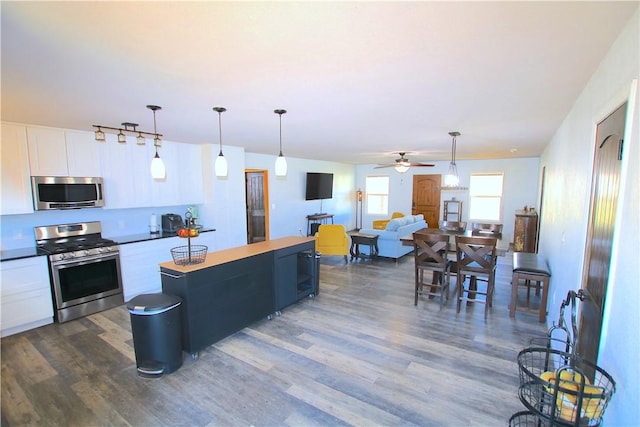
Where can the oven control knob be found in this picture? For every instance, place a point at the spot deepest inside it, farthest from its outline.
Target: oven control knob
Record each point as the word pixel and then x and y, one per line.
pixel 86 252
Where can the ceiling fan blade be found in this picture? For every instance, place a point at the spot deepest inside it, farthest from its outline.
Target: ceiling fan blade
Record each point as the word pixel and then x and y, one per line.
pixel 427 165
pixel 411 165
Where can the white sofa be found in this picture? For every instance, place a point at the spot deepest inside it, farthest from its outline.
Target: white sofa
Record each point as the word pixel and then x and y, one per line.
pixel 389 244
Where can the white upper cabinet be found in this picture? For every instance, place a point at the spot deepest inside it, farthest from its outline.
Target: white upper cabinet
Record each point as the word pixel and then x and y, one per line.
pixel 125 169
pixel 183 183
pixel 15 183
pixel 58 152
pixel 83 154
pixel 47 151
pixel 191 190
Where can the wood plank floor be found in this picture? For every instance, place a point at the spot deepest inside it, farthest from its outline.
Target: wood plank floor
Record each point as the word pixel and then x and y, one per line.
pixel 359 354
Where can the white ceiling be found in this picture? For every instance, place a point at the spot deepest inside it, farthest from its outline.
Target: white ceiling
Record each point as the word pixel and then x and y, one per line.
pixel 360 80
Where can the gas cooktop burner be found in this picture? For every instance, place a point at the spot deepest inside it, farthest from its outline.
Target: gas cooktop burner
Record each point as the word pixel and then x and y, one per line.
pixel 65 245
pixel 80 237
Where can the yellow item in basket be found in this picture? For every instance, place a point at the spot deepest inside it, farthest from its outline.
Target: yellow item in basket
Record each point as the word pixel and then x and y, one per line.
pixel 566 412
pixel 570 375
pixel 593 407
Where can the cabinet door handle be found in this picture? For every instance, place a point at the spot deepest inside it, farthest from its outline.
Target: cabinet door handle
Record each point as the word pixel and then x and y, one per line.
pixel 173 276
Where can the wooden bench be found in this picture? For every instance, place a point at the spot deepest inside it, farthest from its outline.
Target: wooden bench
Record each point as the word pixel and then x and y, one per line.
pixel 529 267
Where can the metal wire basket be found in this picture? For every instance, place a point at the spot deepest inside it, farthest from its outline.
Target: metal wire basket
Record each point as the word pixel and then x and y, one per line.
pixel 562 388
pixel 188 255
pixel 528 419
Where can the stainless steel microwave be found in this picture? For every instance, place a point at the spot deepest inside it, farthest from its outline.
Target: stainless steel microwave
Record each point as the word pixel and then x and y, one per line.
pixel 66 192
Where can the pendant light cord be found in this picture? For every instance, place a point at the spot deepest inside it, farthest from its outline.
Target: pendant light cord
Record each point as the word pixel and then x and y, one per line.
pixel 155 142
pixel 280 133
pixel 220 129
pixel 453 150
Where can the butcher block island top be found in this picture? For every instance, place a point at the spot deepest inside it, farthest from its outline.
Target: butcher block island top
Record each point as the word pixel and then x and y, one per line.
pixel 233 254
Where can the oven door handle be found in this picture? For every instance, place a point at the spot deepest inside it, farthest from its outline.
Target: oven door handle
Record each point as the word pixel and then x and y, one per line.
pixel 85 260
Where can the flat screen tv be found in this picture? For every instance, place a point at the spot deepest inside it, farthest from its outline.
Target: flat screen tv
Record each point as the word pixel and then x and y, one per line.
pixel 319 186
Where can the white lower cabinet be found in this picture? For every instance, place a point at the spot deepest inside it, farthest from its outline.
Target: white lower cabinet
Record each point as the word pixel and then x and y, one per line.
pixel 139 265
pixel 25 294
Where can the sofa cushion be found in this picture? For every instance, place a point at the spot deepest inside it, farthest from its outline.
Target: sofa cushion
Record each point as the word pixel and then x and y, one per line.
pixel 395 223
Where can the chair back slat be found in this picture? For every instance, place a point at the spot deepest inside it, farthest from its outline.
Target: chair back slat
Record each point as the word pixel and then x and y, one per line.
pixel 476 254
pixel 431 249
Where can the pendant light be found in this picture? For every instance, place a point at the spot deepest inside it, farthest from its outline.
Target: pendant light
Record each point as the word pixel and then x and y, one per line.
pixel 452 179
pixel 281 162
pixel 221 163
pixel 158 170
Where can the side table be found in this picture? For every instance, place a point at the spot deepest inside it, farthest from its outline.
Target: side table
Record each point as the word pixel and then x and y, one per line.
pixel 370 240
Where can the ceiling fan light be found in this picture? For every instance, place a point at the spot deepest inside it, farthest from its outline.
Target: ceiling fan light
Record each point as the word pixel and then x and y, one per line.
pixel 401 168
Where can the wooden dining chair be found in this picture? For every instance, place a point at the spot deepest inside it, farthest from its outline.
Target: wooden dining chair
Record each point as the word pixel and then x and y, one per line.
pixel 476 258
pixel 486 230
pixel 452 225
pixel 430 253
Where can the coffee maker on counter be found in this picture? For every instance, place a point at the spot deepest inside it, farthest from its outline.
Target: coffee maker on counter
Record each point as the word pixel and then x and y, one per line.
pixel 192 218
pixel 171 223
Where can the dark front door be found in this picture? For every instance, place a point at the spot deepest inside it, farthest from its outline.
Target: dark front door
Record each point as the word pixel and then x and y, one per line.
pixel 604 199
pixel 426 198
pixel 256 207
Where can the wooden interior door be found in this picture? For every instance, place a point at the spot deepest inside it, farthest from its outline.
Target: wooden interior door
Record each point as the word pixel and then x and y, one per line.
pixel 604 199
pixel 257 204
pixel 426 198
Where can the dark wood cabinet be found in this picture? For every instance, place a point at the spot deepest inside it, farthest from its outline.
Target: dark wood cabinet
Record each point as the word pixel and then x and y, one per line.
pixel 525 232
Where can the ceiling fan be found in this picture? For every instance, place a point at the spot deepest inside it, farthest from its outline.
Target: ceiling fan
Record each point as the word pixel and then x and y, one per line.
pixel 403 164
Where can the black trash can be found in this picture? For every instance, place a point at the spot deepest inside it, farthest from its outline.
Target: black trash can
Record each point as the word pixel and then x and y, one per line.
pixel 156 325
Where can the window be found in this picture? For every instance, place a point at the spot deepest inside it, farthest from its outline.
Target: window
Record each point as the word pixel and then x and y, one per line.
pixel 377 190
pixel 485 191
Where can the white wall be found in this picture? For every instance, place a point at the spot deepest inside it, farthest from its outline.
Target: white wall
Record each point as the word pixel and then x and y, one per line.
pixel 224 205
pixel 287 204
pixel 569 163
pixel 520 187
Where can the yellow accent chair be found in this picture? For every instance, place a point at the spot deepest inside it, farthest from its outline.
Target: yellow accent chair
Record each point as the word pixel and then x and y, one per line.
pixel 331 240
pixel 381 224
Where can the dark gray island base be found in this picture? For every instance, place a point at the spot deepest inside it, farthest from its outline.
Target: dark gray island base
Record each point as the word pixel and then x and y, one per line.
pixel 235 287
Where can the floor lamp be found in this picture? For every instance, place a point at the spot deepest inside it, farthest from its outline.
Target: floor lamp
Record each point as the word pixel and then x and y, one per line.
pixel 359 195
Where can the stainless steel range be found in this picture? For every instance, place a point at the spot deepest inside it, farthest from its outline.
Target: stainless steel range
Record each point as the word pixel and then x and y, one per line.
pixel 84 269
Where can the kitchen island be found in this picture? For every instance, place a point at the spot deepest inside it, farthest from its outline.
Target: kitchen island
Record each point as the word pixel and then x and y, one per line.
pixel 235 287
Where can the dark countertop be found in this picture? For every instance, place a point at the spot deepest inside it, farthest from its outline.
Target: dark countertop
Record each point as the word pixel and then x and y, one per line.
pixel 143 237
pixel 14 254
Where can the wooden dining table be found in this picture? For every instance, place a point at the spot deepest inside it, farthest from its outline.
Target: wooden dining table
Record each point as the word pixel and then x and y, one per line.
pixel 408 239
